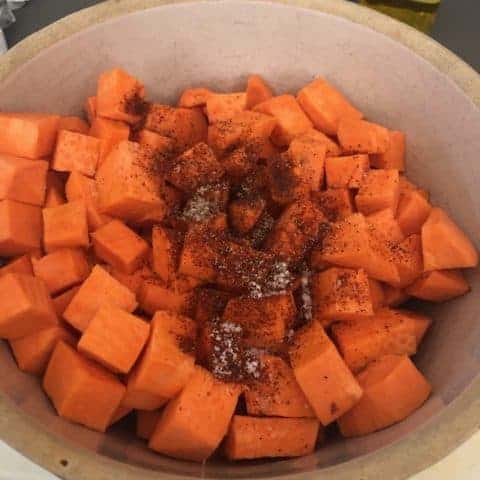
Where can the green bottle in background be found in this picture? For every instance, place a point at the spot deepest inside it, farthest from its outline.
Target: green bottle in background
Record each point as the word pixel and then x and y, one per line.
pixel 417 13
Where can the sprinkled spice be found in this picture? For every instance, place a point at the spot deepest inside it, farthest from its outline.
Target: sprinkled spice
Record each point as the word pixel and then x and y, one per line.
pixel 135 104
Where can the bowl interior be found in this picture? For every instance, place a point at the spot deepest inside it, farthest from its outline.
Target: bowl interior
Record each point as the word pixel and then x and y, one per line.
pixel 216 45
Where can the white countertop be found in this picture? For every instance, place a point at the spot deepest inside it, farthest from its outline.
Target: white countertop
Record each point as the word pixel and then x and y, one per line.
pixel 462 464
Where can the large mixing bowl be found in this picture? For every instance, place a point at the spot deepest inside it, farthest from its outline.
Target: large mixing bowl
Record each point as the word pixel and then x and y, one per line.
pixel 394 74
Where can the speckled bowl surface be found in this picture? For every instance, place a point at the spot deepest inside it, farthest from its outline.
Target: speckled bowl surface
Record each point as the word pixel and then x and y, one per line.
pixel 394 74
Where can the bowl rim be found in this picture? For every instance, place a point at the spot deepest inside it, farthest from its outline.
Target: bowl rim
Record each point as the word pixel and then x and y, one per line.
pixel 425 446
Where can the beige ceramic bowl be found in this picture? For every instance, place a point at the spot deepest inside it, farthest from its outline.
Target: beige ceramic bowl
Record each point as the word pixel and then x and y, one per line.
pixel 394 74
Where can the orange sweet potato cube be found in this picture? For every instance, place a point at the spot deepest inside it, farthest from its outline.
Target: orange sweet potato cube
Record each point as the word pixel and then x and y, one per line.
pixel 114 338
pixel 62 269
pixel 110 133
pixel 413 211
pixel 25 306
pixel 383 224
pixel 325 106
pixel 264 321
pixel 276 393
pixel 326 381
pixel 408 259
pixel 55 189
pixel 73 124
pixel 33 352
pixel 80 390
pixel 166 248
pixel 340 294
pixel 439 286
pixel 61 302
pixel 193 424
pixel 80 187
pixel 253 437
pixel 120 246
pixel 335 203
pixel 360 136
pixel 129 184
pixel 65 226
pixel 196 167
pixel 97 290
pixel 223 106
pixel 244 213
pixel 134 280
pixel 296 230
pixel 185 126
pixel 23 180
pixel 210 304
pixel 346 172
pixel 28 135
pixel 167 363
pixel 21 264
pixel 119 96
pixel 380 189
pixel 257 91
pixel 154 140
pixel 394 157
pixel 76 152
pixel 146 423
pixel 291 120
pixel 194 97
pixel 20 228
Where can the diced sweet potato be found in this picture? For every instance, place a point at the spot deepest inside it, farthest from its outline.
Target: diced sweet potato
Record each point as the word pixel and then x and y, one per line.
pixel 210 304
pixel 129 184
pixel 185 126
pixel 379 190
pixel 110 133
pixel 132 281
pixel 412 212
pixel 350 244
pixel 25 306
pixel 394 296
pixel 296 231
pixel 81 188
pixel 445 245
pixel 407 257
pixel 325 106
pixel 244 213
pixel 377 294
pixel 65 226
pixel 251 437
pixel 257 91
pixel 76 152
pixel 61 302
pixel 276 393
pixel 247 127
pixel 114 338
pixel 33 352
pixel 21 264
pixel 120 246
pixel 166 247
pixel 346 172
pixel 335 203
pixel 383 223
pixel 97 290
pixel 291 120
pixel 193 424
pixel 325 379
pixel 196 167
pixel 396 332
pixel 80 390
pixel 120 96
pixel 62 269
pixel 394 157
pixel 341 294
pixel 167 364
pixel 393 389
pixel 90 108
pixel 158 142
pixel 332 149
pixel 360 136
pixel 20 228
pixel 29 135
pixel 55 189
pixel 73 124
pixel 264 321
pixel 146 422
pixel 223 106
pixel 23 180
pixel 194 97
pixel 439 286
